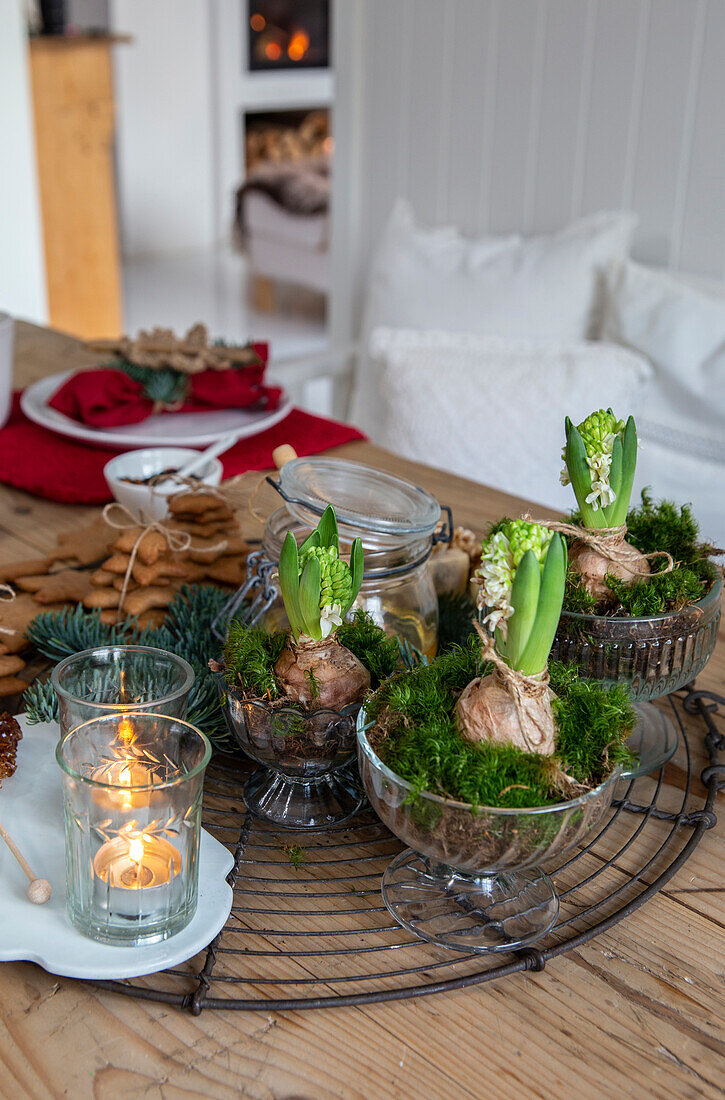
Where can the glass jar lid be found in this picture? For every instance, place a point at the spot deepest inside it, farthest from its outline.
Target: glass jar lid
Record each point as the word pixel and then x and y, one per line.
pixel 364 499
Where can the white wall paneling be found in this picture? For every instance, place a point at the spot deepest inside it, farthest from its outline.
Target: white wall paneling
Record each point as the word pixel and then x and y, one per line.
pixel 518 115
pixel 164 124
pixel 22 270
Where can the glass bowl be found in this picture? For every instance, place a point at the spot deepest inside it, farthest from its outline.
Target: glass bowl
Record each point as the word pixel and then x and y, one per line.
pixel 472 879
pixel 304 782
pixel 651 656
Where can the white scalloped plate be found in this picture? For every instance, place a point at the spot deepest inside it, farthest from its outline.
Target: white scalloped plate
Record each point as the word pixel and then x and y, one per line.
pixel 193 429
pixel 31 809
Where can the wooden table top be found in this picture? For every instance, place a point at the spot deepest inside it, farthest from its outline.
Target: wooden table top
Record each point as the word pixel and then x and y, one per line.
pixel 637 1011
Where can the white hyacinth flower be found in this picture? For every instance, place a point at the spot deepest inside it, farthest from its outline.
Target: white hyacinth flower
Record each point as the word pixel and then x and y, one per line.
pixel 330 619
pixel 495 576
pixel 599 463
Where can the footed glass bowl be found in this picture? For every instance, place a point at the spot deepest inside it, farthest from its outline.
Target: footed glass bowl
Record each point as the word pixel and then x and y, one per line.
pixel 652 657
pixel 472 879
pixel 303 783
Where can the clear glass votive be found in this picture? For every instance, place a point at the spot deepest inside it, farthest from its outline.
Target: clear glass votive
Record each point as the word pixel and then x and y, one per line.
pixel 120 677
pixel 132 788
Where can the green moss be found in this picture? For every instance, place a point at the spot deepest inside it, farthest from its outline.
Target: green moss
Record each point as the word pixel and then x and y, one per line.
pixel 250 655
pixel 593 724
pixel 432 688
pixel 417 738
pixel 663 592
pixel 371 645
pixel 654 526
pixel 576 597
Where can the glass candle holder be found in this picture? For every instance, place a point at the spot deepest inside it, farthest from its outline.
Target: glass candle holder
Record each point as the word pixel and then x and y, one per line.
pixel 132 788
pixel 131 678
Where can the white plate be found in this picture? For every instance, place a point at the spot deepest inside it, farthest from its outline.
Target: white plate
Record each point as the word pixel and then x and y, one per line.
pixel 197 429
pixel 31 809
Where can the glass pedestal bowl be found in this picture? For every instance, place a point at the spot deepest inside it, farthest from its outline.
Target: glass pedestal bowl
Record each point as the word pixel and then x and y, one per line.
pixel 651 656
pixel 305 781
pixel 472 879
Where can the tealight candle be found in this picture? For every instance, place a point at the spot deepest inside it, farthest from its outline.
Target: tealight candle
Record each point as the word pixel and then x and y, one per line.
pixel 132 794
pixel 137 875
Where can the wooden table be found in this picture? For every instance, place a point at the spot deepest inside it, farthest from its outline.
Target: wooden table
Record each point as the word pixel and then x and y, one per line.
pixel 638 1011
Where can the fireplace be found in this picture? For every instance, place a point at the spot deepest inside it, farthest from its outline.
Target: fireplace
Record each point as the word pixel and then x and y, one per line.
pixel 288 34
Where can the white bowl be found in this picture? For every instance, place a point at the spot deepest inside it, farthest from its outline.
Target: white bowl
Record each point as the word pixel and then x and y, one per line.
pixel 143 501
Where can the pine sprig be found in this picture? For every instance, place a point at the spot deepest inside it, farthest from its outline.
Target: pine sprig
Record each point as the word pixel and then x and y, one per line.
pixel 159 384
pixel 41 702
pixel 186 633
pixel 58 634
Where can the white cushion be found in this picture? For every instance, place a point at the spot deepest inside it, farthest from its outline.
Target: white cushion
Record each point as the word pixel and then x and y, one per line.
pixel 678 323
pixel 493 410
pixel 545 287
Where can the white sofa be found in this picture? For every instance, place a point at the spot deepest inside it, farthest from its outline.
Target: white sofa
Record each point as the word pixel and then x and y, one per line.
pixel 474 350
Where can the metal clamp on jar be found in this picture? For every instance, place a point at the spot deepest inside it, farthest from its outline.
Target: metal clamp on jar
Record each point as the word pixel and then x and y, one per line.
pixel 397 523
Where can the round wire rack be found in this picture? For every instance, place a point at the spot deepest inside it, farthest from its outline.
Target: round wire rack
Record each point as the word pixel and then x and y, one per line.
pixel 308 927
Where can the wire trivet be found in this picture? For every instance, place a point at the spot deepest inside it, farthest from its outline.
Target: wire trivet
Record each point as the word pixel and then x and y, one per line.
pixel 308 927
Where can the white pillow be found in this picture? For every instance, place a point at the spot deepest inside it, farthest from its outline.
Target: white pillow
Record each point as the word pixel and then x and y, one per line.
pixel 493 410
pixel 545 288
pixel 678 323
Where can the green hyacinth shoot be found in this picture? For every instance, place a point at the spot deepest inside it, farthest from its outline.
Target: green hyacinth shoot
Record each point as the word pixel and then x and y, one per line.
pixel 522 577
pixel 600 457
pixel 318 587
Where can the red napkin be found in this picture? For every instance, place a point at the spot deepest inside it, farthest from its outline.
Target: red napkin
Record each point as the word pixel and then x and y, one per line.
pixel 106 397
pixel 62 469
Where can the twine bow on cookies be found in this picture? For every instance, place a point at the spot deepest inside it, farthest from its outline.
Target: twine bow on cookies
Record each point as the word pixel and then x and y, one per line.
pixel 178 541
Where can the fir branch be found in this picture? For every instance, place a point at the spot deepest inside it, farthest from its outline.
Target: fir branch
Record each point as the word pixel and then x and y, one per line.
pixel 58 634
pixel 186 633
pixel 159 383
pixel 40 702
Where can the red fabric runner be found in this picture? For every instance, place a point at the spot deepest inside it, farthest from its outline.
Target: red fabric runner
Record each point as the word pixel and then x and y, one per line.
pixel 62 469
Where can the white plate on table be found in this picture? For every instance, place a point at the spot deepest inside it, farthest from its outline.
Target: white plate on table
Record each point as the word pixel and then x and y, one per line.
pixel 31 809
pixel 197 429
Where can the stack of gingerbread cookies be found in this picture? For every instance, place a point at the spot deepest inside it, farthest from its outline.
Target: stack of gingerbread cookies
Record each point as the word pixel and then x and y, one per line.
pixel 147 568
pixel 94 566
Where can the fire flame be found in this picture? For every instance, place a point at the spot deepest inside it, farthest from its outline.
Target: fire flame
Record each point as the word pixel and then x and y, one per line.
pixel 298 45
pixel 135 849
pixel 125 730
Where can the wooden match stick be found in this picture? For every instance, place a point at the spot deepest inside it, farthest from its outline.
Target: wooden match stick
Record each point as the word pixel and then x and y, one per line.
pixel 39 889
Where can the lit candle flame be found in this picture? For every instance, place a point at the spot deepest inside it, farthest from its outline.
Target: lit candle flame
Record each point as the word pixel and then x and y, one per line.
pixel 135 849
pixel 125 730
